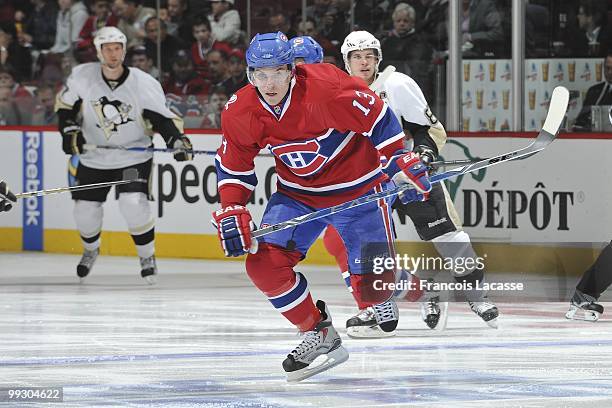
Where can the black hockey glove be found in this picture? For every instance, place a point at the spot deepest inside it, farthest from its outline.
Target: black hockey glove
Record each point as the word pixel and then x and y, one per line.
pixel 185 149
pixel 6 196
pixel 72 139
pixel 426 154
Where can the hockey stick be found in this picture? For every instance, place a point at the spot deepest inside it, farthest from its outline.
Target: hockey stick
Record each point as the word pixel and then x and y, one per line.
pixel 158 150
pixel 556 113
pixel 129 176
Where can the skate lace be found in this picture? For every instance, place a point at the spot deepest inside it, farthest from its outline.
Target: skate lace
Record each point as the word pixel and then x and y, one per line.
pixel 431 307
pixel 481 307
pixel 311 340
pixel 385 312
pixel 88 257
pixel 147 263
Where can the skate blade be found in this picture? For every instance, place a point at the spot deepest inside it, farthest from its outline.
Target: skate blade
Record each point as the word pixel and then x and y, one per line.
pixel 151 280
pixel 575 313
pixel 365 332
pixel 443 316
pixel 82 280
pixel 319 364
pixel 493 323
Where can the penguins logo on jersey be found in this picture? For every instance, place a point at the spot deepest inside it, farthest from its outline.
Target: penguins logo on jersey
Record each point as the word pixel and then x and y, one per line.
pixel 111 114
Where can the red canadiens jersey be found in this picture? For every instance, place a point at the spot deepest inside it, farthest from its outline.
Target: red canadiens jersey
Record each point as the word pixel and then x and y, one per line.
pixel 326 140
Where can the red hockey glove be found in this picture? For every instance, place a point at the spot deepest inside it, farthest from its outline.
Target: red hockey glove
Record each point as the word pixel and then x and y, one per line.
pixel 234 227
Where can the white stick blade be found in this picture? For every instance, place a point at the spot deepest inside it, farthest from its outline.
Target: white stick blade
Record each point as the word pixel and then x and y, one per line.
pixel 556 110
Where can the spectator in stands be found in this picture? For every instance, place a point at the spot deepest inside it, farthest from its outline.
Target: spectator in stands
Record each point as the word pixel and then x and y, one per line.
pixel 40 25
pixel 237 70
pixel 8 80
pixel 317 11
pixel 592 20
pixel 537 30
pixel 102 17
pixel 336 21
pixel 482 29
pixel 178 21
pixel 280 22
pixel 204 42
pixel 407 50
pixel 141 60
pixel 132 18
pixel 217 67
pixel 70 20
pixel 44 113
pixel 224 21
pixel 169 43
pixel 13 55
pixel 184 81
pixel 433 24
pixel 216 101
pixel 9 112
pixel 370 15
pixel 598 94
pixel 308 27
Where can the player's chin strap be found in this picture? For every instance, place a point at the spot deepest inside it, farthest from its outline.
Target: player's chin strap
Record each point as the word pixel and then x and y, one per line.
pixel 378 84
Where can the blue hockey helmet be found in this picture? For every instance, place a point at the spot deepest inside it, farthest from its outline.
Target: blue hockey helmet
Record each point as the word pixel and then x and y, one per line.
pixel 308 48
pixel 269 50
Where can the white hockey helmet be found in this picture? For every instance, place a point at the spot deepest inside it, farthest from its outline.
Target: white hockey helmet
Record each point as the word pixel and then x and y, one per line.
pixel 107 35
pixel 357 41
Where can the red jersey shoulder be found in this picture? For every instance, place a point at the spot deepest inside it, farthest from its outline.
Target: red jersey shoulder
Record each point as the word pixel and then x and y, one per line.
pixel 242 102
pixel 326 82
pixel 320 82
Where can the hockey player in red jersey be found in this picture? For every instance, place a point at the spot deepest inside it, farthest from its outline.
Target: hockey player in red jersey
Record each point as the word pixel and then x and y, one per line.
pixel 327 132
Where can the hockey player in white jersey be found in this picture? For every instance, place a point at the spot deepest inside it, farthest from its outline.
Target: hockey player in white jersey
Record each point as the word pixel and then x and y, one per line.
pixel 6 196
pixel 120 107
pixel 436 219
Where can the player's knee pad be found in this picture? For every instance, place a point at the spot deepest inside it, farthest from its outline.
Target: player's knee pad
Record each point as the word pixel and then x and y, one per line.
pixel 88 216
pixel 271 268
pixel 136 210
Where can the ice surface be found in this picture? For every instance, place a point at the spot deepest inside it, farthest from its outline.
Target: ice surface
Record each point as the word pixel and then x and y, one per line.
pixel 205 337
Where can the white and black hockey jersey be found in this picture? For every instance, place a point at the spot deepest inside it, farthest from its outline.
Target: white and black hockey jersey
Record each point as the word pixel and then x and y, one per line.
pixel 119 113
pixel 406 100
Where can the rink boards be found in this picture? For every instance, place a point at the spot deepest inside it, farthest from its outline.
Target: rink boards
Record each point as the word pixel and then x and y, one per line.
pixel 557 199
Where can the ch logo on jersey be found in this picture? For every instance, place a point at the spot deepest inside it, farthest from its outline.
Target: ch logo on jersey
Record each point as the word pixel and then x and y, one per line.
pixel 111 114
pixel 303 158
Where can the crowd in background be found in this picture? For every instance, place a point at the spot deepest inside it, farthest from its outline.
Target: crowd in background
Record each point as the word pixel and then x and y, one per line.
pixel 202 47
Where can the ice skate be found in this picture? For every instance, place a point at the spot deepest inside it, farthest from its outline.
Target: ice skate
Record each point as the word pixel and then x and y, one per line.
pixel 375 321
pixel 149 269
pixel 86 263
pixel 486 310
pixel 320 350
pixel 434 313
pixel 584 307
